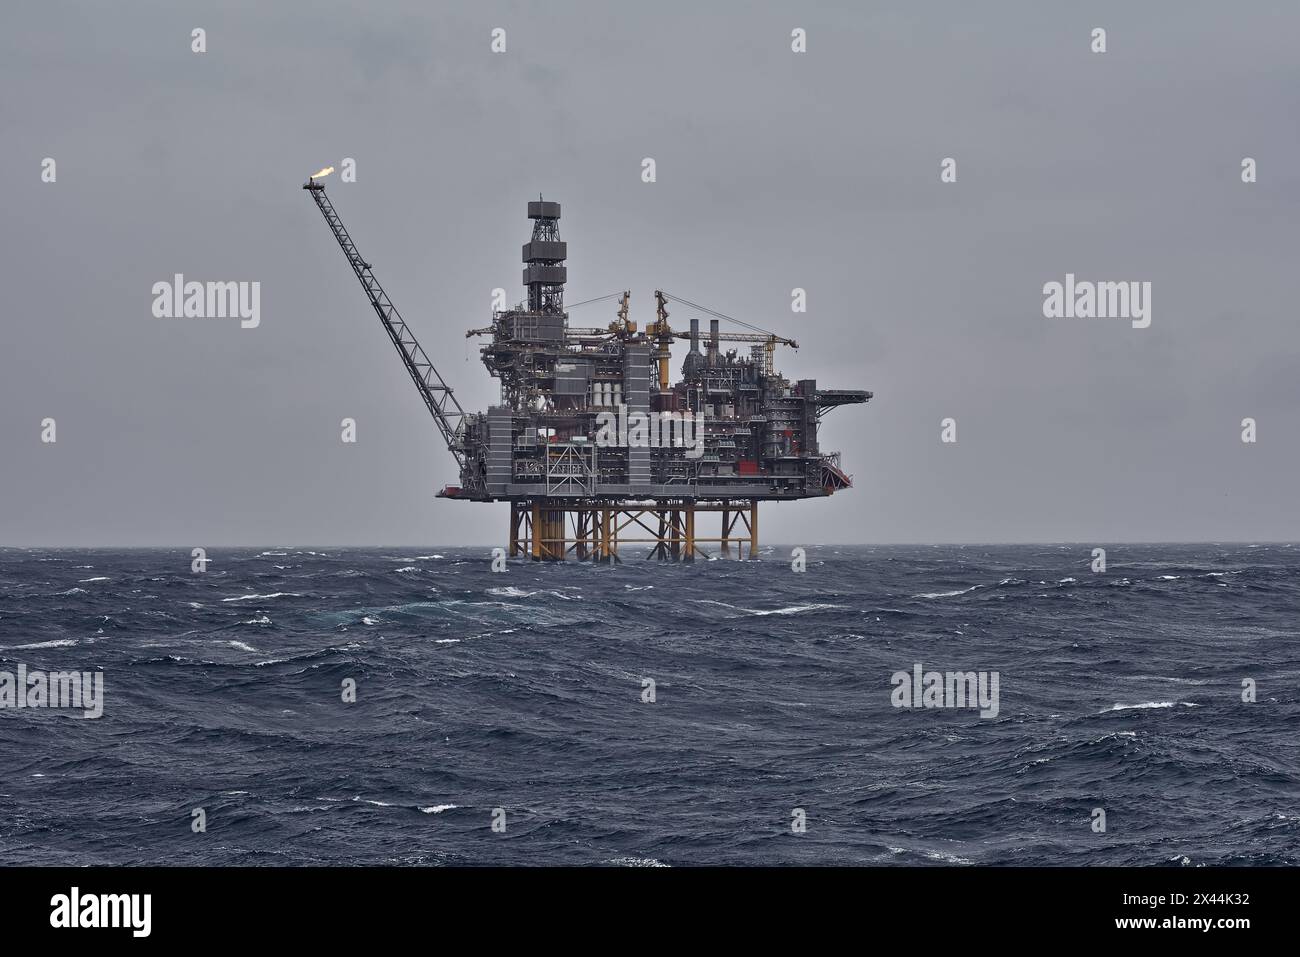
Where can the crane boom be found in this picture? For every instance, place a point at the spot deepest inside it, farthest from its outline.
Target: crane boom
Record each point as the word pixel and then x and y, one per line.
pixel 746 337
pixel 437 395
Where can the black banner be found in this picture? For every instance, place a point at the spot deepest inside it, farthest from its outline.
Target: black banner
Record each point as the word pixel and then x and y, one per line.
pixel 336 906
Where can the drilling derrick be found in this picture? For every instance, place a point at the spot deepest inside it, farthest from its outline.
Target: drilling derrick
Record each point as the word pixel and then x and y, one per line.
pixel 544 255
pixel 592 444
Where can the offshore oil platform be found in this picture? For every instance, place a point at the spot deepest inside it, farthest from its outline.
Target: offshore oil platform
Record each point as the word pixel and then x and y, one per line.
pixel 591 444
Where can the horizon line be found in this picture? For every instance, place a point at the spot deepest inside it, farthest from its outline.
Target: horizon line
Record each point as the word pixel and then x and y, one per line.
pixel 1095 543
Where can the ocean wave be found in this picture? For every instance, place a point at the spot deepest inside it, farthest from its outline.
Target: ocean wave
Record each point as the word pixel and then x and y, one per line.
pixel 762 612
pixel 1147 705
pixel 947 594
pixel 278 594
pixel 946 858
pixel 637 862
pixel 54 643
pixel 792 609
pixel 510 591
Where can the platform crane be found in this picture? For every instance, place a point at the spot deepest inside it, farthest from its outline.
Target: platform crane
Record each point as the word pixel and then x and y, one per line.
pixel 437 395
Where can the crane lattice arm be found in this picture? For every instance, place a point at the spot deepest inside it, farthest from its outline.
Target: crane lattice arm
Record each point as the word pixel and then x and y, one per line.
pixel 437 395
pixel 755 337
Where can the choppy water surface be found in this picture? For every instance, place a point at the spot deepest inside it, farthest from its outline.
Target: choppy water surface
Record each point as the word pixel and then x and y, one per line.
pixel 523 691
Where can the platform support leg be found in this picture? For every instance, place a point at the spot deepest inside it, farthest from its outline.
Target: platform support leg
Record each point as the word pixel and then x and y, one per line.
pixel 536 536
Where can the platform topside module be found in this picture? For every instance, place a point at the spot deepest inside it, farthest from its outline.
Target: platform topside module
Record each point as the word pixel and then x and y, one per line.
pixel 590 429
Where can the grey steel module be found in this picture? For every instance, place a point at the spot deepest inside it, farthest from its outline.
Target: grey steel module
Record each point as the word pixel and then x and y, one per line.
pixel 592 444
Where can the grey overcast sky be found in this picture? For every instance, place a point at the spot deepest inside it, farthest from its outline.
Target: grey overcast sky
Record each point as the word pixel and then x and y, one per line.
pixel 775 170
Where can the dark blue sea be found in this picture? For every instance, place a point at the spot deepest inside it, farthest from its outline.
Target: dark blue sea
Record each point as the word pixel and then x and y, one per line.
pixel 523 691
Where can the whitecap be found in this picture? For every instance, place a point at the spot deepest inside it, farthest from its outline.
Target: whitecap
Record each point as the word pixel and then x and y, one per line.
pixel 439 808
pixel 510 591
pixel 278 594
pixel 793 609
pixel 946 858
pixel 1147 705
pixel 637 862
pixel 946 594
